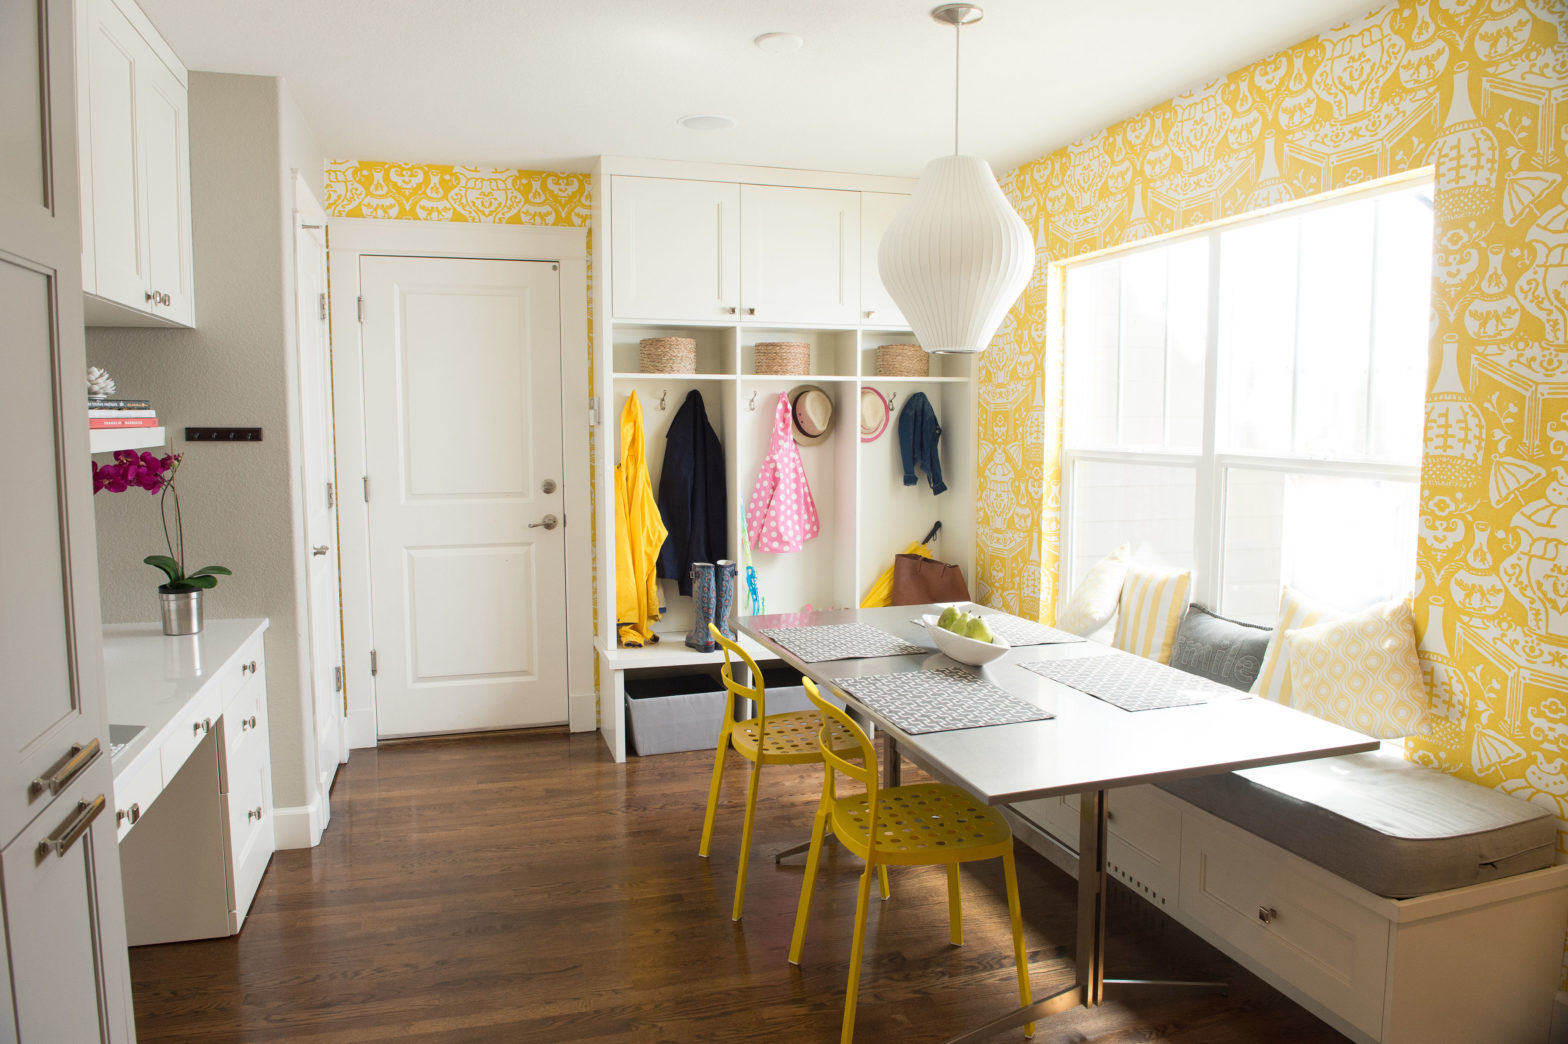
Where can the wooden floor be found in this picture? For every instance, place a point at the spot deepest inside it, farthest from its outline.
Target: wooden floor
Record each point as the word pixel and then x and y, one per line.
pixel 523 887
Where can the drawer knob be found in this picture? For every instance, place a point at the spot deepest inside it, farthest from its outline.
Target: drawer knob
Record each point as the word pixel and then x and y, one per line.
pixel 128 815
pixel 751 311
pixel 248 668
pixel 730 310
pixel 1267 914
pixel 248 723
pixel 254 813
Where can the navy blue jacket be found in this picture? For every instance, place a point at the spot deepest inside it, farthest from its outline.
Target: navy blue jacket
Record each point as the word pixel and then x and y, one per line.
pixel 692 497
pixel 918 433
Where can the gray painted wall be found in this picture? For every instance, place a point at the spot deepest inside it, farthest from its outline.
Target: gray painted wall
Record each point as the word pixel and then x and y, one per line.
pixel 237 368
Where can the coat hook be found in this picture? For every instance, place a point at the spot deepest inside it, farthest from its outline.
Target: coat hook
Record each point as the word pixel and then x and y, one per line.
pixel 752 406
pixel 891 399
pixel 662 394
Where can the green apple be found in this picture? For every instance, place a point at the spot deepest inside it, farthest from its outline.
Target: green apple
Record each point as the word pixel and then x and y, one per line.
pixel 979 630
pixel 949 615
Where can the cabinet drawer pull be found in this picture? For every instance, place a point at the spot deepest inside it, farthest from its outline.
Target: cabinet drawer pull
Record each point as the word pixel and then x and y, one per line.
pixel 248 723
pixel 1267 914
pixel 202 727
pixel 67 833
pixel 66 769
pixel 751 311
pixel 730 310
pixel 247 668
pixel 131 814
pixel 254 813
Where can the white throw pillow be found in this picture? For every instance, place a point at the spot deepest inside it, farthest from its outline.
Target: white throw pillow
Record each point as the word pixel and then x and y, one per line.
pixel 1094 600
pixel 1361 671
pixel 1295 610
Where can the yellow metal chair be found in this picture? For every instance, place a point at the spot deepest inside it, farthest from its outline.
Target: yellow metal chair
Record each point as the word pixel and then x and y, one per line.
pixel 767 739
pixel 922 824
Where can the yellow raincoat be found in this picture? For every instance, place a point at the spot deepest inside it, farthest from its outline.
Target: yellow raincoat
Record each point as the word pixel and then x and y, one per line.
pixel 639 533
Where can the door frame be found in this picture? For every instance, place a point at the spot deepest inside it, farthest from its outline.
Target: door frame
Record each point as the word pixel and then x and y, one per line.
pixel 350 239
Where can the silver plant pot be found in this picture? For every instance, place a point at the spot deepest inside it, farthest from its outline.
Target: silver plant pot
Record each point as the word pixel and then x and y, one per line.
pixel 181 610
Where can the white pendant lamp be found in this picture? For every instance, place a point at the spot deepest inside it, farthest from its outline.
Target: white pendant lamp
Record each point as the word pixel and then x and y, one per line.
pixel 957 256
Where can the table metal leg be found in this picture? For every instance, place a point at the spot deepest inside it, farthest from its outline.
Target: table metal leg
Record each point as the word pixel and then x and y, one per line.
pixel 1092 894
pixel 892 765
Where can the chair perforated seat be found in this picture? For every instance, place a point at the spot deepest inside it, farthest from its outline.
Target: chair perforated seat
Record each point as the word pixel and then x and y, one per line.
pixel 915 824
pixel 789 739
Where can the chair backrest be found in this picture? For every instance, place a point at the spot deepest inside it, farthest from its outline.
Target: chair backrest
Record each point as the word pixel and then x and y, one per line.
pixel 756 691
pixel 865 772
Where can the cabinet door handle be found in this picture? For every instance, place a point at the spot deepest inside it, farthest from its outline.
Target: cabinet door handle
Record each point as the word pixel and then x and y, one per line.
pixel 202 727
pixel 132 814
pixel 730 310
pixel 751 311
pixel 247 668
pixel 248 723
pixel 1267 914
pixel 871 313
pixel 319 550
pixel 254 813
pixel 152 298
pixel 67 833
pixel 66 769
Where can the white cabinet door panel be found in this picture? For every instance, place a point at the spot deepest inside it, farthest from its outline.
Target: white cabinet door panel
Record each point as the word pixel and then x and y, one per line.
pixel 161 140
pixel 114 54
pixel 675 249
pixel 800 256
pixel 877 211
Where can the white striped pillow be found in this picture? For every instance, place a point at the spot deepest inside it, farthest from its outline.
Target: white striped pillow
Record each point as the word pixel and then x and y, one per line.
pixel 1153 601
pixel 1295 610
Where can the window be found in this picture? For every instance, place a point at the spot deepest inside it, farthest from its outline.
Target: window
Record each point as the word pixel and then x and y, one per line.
pixel 1246 402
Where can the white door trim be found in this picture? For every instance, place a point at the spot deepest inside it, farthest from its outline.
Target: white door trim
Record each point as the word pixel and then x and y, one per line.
pixel 349 240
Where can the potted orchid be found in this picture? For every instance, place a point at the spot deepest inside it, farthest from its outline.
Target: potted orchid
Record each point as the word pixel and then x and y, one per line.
pixel 180 597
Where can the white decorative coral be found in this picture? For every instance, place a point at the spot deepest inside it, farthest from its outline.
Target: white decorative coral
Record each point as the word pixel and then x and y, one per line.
pixel 99 384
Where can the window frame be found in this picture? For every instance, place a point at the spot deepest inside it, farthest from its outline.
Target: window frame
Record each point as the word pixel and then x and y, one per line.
pixel 1210 467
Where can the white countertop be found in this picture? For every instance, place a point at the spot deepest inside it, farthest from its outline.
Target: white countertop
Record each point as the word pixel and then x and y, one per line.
pixel 150 677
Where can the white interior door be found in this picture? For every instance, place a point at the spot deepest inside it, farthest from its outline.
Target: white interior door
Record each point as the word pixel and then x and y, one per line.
pixel 464 468
pixel 321 516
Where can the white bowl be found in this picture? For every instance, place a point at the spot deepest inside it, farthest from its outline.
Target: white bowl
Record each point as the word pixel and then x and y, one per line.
pixel 964 650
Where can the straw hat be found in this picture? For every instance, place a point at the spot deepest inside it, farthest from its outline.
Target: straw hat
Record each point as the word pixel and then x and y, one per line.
pixel 873 415
pixel 813 412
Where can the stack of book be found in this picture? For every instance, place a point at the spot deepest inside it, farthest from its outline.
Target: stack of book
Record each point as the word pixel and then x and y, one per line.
pixel 121 413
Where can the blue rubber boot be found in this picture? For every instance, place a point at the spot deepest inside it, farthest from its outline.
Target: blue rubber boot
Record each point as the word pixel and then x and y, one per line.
pixel 725 614
pixel 704 595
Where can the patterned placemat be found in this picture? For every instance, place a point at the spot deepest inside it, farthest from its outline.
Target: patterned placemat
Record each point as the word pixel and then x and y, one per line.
pixel 853 641
pixel 939 700
pixel 1019 631
pixel 1132 682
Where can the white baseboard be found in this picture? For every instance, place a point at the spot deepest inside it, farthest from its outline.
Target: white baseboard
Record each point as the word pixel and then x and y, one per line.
pixel 360 728
pixel 582 712
pixel 1559 1031
pixel 299 826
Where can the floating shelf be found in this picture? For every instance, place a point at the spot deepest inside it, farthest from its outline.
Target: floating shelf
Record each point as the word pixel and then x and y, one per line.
pixel 671 651
pixel 109 440
pixel 669 377
pixel 873 379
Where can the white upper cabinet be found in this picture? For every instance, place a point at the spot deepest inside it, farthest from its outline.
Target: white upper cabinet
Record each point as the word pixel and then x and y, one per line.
pixel 800 256
pixel 133 138
pixel 675 249
pixel 877 211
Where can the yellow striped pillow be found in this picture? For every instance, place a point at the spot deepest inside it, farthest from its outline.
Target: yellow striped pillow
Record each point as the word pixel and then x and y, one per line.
pixel 1153 601
pixel 1295 610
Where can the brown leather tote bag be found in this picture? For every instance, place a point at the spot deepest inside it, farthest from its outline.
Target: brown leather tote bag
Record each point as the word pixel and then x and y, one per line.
pixel 918 580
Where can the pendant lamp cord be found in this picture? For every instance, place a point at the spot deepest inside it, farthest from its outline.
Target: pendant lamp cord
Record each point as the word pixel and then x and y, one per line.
pixel 958 28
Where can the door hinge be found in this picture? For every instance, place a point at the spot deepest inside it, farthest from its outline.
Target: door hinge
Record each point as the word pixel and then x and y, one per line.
pixel 361 309
pixel 337 679
pixel 593 411
pixel 332 496
pixel 323 299
pixel 372 663
pixel 365 486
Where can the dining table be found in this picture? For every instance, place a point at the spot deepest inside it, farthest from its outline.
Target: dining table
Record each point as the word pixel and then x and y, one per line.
pixel 1062 739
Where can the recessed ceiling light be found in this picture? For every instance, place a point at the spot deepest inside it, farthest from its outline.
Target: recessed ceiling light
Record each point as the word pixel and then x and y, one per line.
pixel 706 122
pixel 778 43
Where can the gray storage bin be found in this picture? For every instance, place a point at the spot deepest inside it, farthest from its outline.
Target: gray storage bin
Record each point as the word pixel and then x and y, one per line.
pixel 670 713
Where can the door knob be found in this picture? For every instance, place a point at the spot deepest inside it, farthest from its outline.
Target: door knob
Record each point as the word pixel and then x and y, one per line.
pixel 548 522
pixel 319 549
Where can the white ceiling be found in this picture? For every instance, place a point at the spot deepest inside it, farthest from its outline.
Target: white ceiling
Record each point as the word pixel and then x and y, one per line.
pixel 523 83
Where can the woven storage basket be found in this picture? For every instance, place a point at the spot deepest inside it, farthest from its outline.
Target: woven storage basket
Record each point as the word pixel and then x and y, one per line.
pixel 667 355
pixel 903 360
pixel 783 357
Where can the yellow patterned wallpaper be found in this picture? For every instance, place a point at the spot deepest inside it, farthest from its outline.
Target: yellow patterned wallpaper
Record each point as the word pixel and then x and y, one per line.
pixel 1477 90
pixel 498 195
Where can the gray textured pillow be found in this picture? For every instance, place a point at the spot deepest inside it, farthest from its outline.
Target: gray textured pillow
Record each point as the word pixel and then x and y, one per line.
pixel 1219 649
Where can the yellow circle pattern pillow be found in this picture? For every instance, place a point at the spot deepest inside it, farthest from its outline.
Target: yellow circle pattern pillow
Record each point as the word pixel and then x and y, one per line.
pixel 1360 671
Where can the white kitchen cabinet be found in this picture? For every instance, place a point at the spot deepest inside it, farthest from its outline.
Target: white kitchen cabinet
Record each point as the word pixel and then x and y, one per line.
pixel 800 256
pixel 63 970
pixel 877 211
pixel 135 170
pixel 675 247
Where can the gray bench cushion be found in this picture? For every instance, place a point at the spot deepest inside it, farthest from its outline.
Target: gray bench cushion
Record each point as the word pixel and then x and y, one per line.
pixel 1381 822
pixel 1220 649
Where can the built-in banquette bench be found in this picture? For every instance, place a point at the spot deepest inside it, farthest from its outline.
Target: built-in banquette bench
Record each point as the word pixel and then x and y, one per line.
pixel 1397 903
